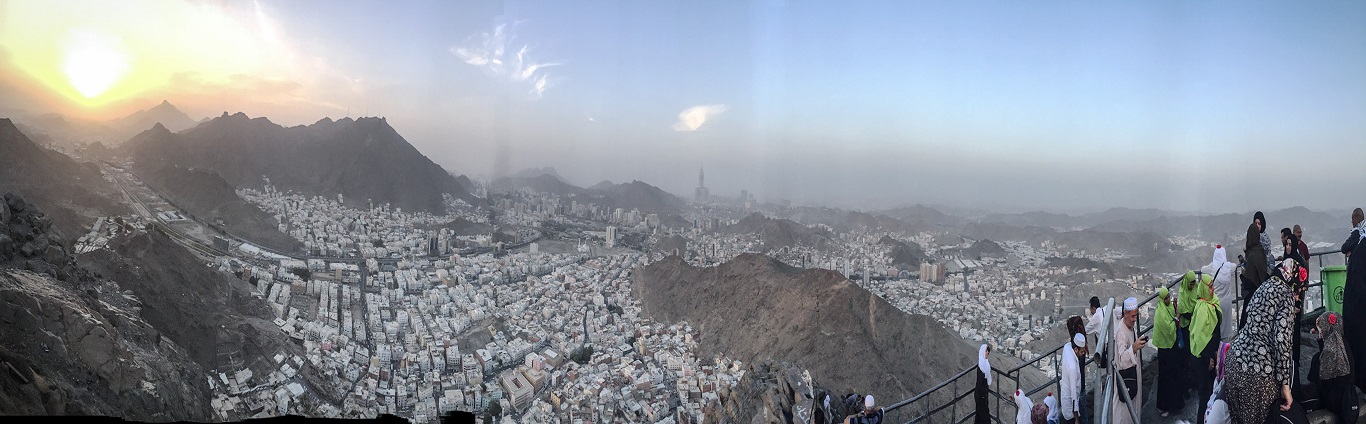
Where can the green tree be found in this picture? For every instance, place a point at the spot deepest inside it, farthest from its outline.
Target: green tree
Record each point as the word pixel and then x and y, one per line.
pixel 581 355
pixel 303 273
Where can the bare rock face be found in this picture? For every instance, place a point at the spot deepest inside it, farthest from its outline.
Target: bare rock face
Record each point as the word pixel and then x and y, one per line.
pixel 760 311
pixel 754 308
pixel 71 343
pixel 777 393
pixel 68 355
pixel 29 241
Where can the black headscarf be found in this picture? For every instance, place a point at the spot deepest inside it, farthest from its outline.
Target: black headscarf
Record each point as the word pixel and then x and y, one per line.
pixel 1294 251
pixel 1260 217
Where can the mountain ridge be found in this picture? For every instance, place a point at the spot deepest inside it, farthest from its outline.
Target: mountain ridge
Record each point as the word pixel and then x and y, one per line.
pixel 755 308
pixel 360 159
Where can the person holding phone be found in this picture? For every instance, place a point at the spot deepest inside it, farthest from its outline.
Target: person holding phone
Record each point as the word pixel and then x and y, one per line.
pixel 1129 363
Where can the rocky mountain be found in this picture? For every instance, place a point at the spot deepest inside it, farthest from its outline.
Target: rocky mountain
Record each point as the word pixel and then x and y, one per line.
pixel 772 392
pixel 128 331
pixel 72 193
pixel 361 159
pixel 868 221
pixel 604 185
pixel 1231 228
pixel 905 254
pixel 211 314
pixel 75 344
pixel 755 308
pixel 213 201
pixel 671 244
pixel 465 183
pixel 544 183
pixel 984 248
pixel 639 195
pixel 76 132
pixel 536 172
pixel 165 114
pixel 925 218
pixel 780 233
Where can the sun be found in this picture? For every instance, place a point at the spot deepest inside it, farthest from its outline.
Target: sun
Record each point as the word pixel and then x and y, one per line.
pixel 94 62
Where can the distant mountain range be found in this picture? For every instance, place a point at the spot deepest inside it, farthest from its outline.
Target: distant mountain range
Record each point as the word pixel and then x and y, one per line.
pixel 780 233
pixel 633 195
pixel 165 114
pixel 361 159
pixel 74 132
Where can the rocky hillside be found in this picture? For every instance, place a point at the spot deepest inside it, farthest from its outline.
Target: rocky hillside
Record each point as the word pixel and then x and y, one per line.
pixel 754 308
pixel 130 331
pixel 780 233
pixel 361 159
pixel 867 221
pixel 207 312
pixel 639 195
pixel 905 254
pixel 984 248
pixel 76 344
pixel 73 194
pixel 213 201
pixel 772 393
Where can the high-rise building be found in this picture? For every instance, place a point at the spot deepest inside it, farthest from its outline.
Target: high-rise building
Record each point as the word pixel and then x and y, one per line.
pixel 702 193
pixel 931 272
pixel 611 236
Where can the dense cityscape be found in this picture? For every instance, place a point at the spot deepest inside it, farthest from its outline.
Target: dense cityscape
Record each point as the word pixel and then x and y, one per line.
pixel 399 314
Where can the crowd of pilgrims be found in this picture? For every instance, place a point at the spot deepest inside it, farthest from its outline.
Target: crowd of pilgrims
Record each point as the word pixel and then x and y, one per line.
pixel 1243 376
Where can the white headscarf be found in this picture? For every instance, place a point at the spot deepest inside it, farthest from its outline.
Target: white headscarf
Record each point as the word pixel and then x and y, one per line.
pixel 1052 404
pixel 982 363
pixel 1360 229
pixel 1025 405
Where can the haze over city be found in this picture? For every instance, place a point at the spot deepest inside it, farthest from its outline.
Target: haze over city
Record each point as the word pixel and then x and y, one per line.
pixel 1009 106
pixel 682 212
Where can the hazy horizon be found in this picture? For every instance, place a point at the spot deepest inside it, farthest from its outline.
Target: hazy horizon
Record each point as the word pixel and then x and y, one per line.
pixel 996 106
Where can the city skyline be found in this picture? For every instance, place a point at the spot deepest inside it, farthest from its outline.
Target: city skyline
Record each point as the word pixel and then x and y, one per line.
pixel 994 106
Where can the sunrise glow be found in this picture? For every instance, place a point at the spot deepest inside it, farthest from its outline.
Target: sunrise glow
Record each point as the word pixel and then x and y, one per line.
pixel 94 62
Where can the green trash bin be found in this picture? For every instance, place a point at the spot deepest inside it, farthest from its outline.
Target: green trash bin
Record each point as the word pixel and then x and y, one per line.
pixel 1334 279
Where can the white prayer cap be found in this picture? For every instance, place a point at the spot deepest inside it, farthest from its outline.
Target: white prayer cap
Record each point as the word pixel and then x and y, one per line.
pixel 1131 304
pixel 1079 340
pixel 868 401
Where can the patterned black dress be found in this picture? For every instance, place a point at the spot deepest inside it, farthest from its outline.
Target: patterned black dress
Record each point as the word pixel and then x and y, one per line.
pixel 1259 361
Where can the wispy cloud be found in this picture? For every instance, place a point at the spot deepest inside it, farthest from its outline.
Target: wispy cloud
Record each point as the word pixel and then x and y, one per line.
pixel 490 51
pixel 691 119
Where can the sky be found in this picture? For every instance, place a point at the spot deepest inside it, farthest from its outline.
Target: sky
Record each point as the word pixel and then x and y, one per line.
pixel 1008 106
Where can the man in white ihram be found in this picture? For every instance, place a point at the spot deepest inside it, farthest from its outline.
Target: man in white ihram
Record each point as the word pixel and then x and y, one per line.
pixel 1128 354
pixel 1071 378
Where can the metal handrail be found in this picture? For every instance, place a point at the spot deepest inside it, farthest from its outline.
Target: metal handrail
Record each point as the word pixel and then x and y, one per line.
pixel 925 393
pixel 1113 374
pixel 1013 374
